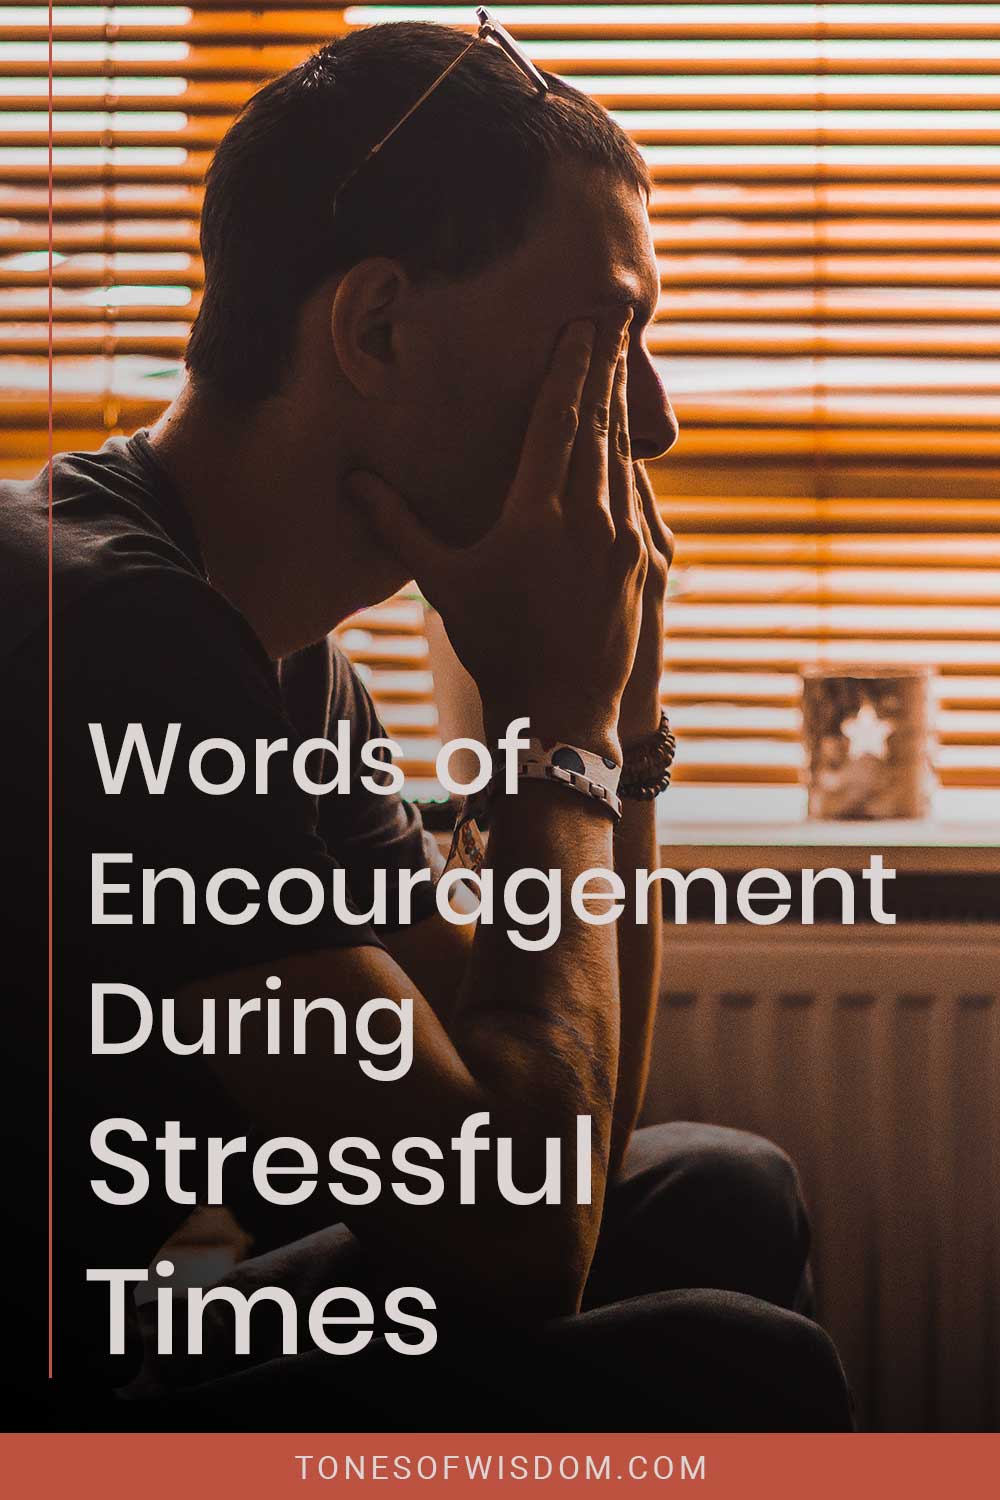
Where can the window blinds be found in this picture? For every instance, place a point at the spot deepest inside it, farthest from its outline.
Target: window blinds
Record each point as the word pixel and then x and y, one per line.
pixel 827 221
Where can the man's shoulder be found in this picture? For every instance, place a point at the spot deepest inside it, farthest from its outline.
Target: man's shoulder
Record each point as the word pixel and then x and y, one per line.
pixel 105 520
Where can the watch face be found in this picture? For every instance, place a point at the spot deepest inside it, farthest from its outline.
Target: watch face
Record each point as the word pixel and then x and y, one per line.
pixel 569 759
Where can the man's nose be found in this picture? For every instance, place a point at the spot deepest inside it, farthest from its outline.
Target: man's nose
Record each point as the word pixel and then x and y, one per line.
pixel 652 423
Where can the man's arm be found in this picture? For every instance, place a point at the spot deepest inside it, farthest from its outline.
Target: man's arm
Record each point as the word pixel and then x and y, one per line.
pixel 636 845
pixel 534 1036
pixel 534 1044
pixel 639 953
pixel 436 952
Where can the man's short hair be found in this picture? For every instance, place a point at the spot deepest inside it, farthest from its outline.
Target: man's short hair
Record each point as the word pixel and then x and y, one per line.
pixel 457 187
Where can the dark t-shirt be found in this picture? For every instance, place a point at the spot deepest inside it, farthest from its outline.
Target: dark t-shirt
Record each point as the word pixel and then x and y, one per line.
pixel 141 636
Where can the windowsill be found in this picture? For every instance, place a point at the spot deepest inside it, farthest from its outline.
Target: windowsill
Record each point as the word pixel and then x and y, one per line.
pixel 708 825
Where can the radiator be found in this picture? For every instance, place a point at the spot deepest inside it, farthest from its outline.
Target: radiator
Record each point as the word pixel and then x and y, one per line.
pixel 872 1055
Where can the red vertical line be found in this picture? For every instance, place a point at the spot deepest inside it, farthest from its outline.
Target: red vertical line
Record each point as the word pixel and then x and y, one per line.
pixel 51 450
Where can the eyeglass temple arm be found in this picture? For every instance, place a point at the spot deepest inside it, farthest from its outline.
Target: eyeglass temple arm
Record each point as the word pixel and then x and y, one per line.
pixel 417 103
pixel 490 28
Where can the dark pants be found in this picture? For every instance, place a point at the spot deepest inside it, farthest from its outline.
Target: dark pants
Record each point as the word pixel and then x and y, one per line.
pixel 693 1321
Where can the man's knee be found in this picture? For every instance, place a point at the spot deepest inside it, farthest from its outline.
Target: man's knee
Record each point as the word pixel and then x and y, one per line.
pixel 820 1398
pixel 737 1159
pixel 703 1360
pixel 718 1160
pixel 785 1373
pixel 704 1205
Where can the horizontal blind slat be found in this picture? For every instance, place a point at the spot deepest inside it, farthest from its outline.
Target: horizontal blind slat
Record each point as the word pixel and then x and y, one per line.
pixel 826 212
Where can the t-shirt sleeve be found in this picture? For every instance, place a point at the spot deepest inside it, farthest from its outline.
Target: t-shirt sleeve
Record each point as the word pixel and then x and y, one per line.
pixel 369 830
pixel 166 649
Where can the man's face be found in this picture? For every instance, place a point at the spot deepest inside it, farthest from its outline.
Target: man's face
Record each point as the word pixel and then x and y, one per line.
pixel 480 348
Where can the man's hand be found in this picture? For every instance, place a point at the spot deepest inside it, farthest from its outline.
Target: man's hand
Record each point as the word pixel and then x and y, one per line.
pixel 640 706
pixel 544 611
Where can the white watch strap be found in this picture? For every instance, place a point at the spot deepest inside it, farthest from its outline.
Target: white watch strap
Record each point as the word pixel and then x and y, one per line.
pixel 601 769
pixel 592 775
pixel 600 791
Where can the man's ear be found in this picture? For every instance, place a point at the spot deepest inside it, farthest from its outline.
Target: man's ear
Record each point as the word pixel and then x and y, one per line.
pixel 364 323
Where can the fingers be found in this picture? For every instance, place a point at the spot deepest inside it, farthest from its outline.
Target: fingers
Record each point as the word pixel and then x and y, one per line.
pixel 547 449
pixel 660 534
pixel 589 468
pixel 391 518
pixel 621 486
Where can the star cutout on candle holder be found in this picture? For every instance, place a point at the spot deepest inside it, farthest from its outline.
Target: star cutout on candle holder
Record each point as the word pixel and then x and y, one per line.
pixel 866 733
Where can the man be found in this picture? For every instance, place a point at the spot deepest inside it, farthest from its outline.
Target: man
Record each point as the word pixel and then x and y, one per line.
pixel 424 360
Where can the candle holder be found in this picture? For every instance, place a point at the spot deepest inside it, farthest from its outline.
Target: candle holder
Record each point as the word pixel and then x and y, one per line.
pixel 867 735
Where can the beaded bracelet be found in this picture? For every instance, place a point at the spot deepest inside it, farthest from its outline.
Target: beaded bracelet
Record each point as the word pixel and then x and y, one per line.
pixel 647 768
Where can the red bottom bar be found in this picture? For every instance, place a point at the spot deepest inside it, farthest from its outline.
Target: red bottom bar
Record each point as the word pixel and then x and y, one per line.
pixel 217 1466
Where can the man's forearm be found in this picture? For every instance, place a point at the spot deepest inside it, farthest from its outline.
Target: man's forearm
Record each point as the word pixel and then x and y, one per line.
pixel 539 1029
pixel 636 846
pixel 639 954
